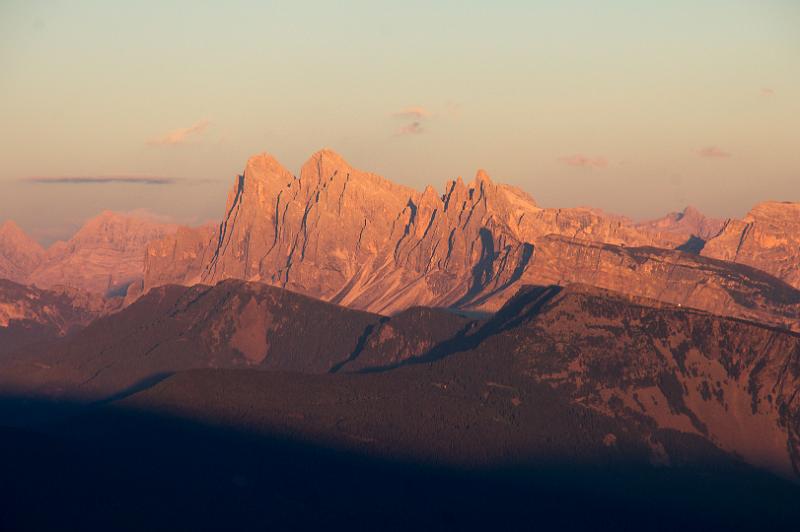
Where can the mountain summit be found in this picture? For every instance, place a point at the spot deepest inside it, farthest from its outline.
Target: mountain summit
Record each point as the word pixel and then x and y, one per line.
pixel 354 238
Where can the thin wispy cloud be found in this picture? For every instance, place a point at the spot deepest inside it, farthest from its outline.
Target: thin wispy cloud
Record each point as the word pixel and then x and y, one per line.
pixel 181 136
pixel 101 180
pixel 767 91
pixel 414 117
pixel 584 161
pixel 713 152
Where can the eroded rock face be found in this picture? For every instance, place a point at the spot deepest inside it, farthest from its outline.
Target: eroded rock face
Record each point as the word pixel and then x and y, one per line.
pixel 19 254
pixel 732 382
pixel 356 239
pixel 685 279
pixel 768 238
pixel 29 314
pixel 104 256
pixel 179 255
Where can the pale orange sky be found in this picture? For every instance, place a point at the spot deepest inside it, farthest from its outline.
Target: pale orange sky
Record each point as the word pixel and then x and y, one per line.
pixel 638 108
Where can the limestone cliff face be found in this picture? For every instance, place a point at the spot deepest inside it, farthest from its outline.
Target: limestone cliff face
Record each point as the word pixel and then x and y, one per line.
pixel 19 254
pixel 179 255
pixel 312 234
pixel 597 226
pixel 730 381
pixel 768 238
pixel 354 238
pixel 104 256
pixel 670 276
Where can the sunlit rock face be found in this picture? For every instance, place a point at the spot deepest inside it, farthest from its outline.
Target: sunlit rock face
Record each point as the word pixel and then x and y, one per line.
pixel 19 254
pixel 104 256
pixel 720 287
pixel 354 238
pixel 768 238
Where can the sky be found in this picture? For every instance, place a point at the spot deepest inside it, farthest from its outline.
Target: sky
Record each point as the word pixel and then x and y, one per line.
pixel 637 107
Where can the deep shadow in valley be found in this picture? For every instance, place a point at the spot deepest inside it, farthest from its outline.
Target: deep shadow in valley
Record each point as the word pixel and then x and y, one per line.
pixel 112 467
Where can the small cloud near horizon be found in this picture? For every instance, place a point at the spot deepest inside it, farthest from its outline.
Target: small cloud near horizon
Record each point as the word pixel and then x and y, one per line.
pixel 414 117
pixel 767 91
pixel 713 152
pixel 181 136
pixel 101 180
pixel 584 161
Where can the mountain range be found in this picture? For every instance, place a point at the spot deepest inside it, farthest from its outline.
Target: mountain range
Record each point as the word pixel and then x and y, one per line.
pixel 339 348
pixel 354 238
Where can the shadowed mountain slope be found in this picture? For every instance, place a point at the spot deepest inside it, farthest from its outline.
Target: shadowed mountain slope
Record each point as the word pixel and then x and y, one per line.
pixel 304 452
pixel 730 381
pixel 30 315
pixel 233 324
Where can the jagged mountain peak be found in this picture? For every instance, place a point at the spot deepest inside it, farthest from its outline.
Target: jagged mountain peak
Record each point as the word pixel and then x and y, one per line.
pixel 10 233
pixel 690 211
pixel 352 237
pixel 10 226
pixel 263 165
pixel 19 253
pixel 325 165
pixel 481 177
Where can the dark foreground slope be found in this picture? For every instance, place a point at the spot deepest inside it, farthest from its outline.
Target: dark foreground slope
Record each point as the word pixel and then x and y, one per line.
pixel 571 408
pixel 235 324
pixel 730 381
pixel 30 315
pixel 461 444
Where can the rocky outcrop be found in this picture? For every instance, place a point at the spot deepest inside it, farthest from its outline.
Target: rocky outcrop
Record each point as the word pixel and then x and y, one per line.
pixel 685 279
pixel 768 238
pixel 19 254
pixel 179 255
pixel 104 256
pixel 354 238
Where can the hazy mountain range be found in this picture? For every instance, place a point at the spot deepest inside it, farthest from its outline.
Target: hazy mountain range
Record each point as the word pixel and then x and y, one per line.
pixel 419 338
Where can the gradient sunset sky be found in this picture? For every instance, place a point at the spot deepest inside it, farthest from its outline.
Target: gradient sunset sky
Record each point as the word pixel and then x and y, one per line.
pixel 637 107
